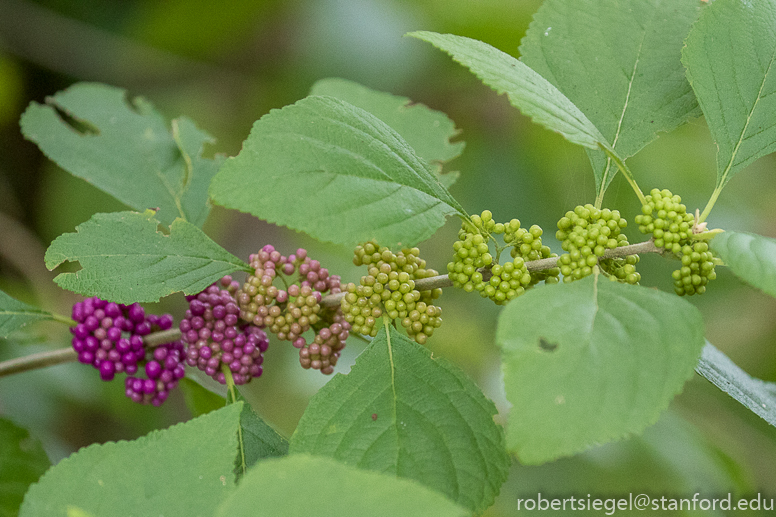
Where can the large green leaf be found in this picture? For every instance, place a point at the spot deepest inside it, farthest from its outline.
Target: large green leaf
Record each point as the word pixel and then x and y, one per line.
pixel 300 485
pixel 336 172
pixel 402 411
pixel 125 259
pixel 592 361
pixel 756 395
pixel 185 470
pixel 619 63
pixel 15 314
pixel 125 149
pixel 427 131
pixel 729 55
pixel 527 90
pixel 750 256
pixel 22 462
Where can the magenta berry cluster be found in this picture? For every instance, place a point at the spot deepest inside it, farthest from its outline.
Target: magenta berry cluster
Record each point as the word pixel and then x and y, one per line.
pixel 109 336
pixel 163 371
pixel 214 335
pixel 295 308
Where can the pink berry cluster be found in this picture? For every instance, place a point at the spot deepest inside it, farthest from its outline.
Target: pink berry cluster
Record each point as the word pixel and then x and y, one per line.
pixel 295 308
pixel 109 336
pixel 214 335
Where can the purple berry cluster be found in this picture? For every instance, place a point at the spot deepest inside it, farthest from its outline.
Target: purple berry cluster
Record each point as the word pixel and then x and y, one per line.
pixel 214 336
pixel 164 370
pixel 290 312
pixel 109 336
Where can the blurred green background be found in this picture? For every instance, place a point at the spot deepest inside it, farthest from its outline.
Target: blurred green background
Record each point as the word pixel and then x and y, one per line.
pixel 225 65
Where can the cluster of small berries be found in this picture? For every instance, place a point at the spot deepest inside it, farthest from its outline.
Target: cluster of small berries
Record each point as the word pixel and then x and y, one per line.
pixel 666 218
pixel 215 336
pixel 696 271
pixel 672 228
pixel 164 369
pixel 292 311
pixel 472 256
pixel 585 234
pixel 389 289
pixel 109 336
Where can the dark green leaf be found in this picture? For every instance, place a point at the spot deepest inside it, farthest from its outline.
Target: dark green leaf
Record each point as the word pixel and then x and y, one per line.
pixel 620 64
pixel 336 172
pixel 125 149
pixel 527 90
pixel 199 399
pixel 185 470
pixel 125 259
pixel 756 395
pixel 300 485
pixel 402 411
pixel 15 314
pixel 258 440
pixel 427 131
pixel 592 361
pixel 729 55
pixel 750 256
pixel 22 462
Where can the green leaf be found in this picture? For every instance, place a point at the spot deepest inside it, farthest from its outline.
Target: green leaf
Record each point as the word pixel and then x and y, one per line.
pixel 620 64
pixel 729 55
pixel 125 259
pixel 597 357
pixel 528 91
pixel 756 395
pixel 199 399
pixel 125 149
pixel 402 411
pixel 750 256
pixel 184 470
pixel 15 314
pixel 304 485
pixel 258 440
pixel 22 462
pixel 336 172
pixel 427 131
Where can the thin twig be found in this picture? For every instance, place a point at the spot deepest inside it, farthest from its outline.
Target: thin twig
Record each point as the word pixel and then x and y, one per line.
pixel 39 360
pixel 65 355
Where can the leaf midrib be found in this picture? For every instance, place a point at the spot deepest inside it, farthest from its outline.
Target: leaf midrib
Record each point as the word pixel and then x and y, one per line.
pixel 324 145
pixel 737 147
pixel 617 133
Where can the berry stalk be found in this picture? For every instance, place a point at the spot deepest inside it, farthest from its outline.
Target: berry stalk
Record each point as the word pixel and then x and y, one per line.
pixel 625 172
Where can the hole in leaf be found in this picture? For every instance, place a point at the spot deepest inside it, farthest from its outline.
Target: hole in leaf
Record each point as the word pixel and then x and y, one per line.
pixel 81 127
pixel 546 345
pixel 68 266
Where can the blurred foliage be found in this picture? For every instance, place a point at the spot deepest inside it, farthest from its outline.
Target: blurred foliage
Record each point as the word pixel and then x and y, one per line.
pixel 224 66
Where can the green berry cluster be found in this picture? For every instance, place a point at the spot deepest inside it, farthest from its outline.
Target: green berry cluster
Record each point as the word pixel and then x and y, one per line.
pixel 527 244
pixel 507 282
pixel 666 218
pixel 672 228
pixel 585 234
pixel 504 282
pixel 696 271
pixel 389 289
pixel 471 254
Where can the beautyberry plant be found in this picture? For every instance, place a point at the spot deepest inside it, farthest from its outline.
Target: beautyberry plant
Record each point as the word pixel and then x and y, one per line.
pixel 587 360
